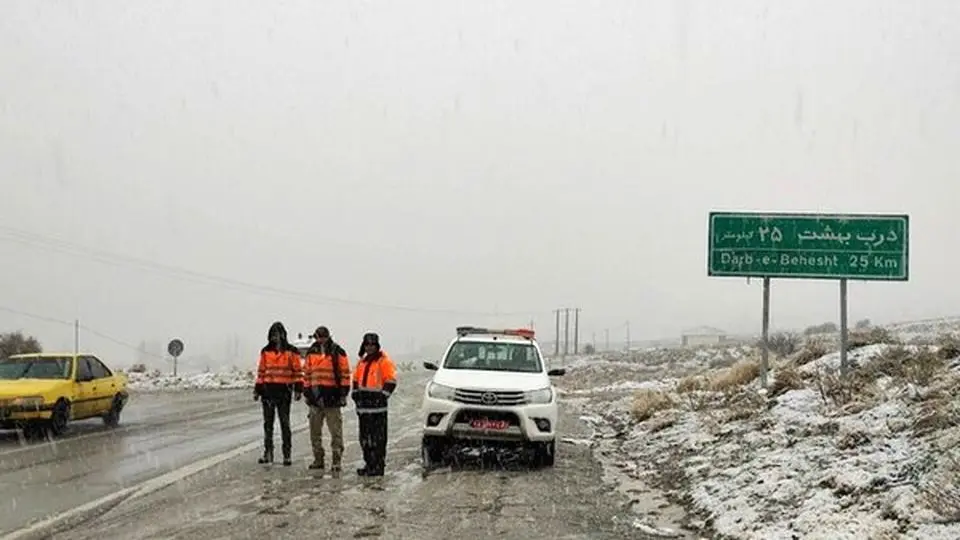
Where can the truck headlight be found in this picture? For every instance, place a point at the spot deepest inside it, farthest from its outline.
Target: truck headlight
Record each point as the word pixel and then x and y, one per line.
pixel 543 395
pixel 440 391
pixel 29 402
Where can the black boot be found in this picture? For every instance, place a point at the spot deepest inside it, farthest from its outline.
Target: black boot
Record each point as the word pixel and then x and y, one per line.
pixel 286 458
pixel 267 457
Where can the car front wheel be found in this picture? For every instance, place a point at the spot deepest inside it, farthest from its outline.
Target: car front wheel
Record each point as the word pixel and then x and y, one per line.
pixel 59 418
pixel 544 454
pixel 432 451
pixel 112 418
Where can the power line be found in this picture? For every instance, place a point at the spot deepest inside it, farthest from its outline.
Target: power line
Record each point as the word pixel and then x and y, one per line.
pixel 82 327
pixel 116 259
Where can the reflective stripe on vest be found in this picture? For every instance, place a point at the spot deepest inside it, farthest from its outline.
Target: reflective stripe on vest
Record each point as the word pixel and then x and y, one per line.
pixel 320 371
pixel 279 368
pixel 373 411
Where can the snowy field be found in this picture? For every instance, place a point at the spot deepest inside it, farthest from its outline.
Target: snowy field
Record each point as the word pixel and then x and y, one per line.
pixel 872 455
pixel 229 379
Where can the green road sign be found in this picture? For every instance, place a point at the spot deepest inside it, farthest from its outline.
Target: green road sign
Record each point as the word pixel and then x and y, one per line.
pixel 816 246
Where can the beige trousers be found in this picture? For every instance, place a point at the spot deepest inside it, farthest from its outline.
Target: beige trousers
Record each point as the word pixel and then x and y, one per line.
pixel 333 417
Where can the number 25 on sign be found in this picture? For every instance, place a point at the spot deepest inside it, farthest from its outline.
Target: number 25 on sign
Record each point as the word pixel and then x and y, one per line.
pixel 872 247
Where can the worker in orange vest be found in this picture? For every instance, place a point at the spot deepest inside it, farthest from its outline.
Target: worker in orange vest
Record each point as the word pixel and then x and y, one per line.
pixel 279 374
pixel 374 380
pixel 326 385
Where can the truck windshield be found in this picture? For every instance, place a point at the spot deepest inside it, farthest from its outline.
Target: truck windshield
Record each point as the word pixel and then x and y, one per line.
pixel 514 357
pixel 35 368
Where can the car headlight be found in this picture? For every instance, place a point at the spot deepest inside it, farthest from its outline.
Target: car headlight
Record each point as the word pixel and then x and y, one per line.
pixel 440 391
pixel 30 402
pixel 543 395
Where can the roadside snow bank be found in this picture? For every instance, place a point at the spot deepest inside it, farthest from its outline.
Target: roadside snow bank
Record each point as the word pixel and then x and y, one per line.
pixel 222 380
pixel 873 454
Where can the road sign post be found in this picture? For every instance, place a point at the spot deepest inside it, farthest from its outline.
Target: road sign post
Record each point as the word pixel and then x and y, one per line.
pixel 867 247
pixel 175 348
pixel 765 324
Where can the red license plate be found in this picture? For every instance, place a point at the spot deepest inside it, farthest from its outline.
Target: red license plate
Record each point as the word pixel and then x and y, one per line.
pixel 489 424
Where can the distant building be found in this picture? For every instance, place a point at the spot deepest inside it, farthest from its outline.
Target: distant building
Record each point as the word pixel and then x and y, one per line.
pixel 702 335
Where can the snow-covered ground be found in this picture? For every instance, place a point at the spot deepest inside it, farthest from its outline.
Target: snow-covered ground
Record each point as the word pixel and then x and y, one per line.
pixel 873 454
pixel 228 379
pixel 220 380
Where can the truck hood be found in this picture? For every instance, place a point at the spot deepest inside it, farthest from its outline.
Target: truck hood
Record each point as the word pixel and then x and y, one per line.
pixel 28 387
pixel 478 379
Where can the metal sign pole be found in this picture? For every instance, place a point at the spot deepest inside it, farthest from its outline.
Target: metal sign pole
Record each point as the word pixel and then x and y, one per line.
pixel 765 353
pixel 844 336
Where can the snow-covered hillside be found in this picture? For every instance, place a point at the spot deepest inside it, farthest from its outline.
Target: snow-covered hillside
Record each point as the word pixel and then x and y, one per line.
pixel 873 454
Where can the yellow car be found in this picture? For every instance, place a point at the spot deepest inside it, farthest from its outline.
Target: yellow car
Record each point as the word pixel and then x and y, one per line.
pixel 50 390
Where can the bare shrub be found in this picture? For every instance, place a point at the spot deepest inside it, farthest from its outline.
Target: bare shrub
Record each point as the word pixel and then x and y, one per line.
pixel 949 346
pixel 742 405
pixel 138 368
pixel 847 392
pixel 738 375
pixel 936 414
pixel 873 336
pixel 785 379
pixel 694 383
pixel 942 494
pixel 920 366
pixel 648 402
pixel 812 350
pixel 782 343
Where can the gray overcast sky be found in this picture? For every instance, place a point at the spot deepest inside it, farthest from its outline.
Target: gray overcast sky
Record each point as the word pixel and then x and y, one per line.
pixel 480 156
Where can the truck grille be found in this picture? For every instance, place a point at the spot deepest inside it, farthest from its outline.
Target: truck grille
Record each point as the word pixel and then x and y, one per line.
pixel 490 398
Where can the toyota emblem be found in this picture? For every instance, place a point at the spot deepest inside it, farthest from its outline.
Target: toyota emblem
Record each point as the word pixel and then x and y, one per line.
pixel 488 398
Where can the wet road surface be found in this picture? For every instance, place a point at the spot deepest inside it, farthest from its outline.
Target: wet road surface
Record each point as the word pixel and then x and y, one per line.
pixel 240 499
pixel 158 433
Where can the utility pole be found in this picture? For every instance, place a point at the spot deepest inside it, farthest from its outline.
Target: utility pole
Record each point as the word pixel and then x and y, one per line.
pixel 576 331
pixel 566 331
pixel 556 345
pixel 628 336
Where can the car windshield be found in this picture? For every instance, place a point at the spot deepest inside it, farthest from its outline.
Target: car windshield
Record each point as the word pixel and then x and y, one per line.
pixel 35 368
pixel 503 356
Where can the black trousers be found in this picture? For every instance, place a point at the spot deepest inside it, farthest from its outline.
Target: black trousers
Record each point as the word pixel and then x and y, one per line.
pixel 373 441
pixel 274 407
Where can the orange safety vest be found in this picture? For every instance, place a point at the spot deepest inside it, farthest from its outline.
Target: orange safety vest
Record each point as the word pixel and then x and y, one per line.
pixel 372 375
pixel 318 371
pixel 283 367
pixel 369 381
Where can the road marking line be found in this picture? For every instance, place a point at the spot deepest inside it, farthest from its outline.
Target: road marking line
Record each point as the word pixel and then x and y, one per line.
pixel 140 490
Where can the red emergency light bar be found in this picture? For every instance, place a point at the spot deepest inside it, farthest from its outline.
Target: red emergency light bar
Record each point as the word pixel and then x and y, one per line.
pixel 520 332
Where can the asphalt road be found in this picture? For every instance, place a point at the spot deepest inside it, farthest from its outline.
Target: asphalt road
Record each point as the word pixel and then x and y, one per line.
pixel 158 433
pixel 237 498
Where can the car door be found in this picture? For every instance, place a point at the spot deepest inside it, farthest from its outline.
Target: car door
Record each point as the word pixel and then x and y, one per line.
pixel 84 395
pixel 104 387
